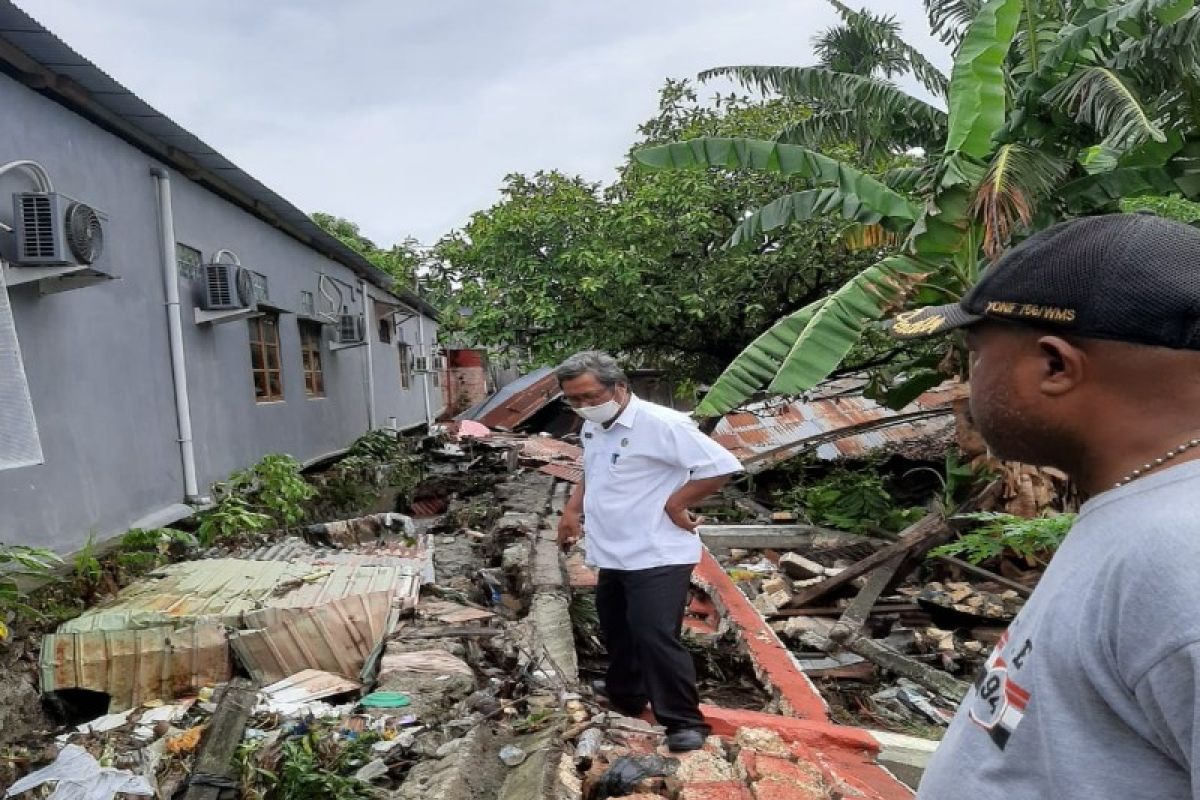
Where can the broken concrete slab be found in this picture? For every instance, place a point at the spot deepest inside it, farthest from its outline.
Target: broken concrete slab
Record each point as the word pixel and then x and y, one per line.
pixel 550 615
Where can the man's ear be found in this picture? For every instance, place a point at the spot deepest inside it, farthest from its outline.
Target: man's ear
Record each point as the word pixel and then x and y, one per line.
pixel 1063 365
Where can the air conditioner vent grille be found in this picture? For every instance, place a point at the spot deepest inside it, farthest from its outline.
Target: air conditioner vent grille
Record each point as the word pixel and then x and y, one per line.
pixel 37 227
pixel 220 290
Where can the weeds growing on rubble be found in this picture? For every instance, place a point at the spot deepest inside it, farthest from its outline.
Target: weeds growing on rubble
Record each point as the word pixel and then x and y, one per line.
pixel 1034 540
pixel 310 767
pixel 856 501
pixel 18 562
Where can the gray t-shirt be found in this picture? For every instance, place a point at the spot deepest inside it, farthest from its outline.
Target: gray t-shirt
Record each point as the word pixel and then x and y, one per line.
pixel 1092 693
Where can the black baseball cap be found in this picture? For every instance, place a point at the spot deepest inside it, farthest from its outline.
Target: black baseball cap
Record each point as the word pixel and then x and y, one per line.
pixel 1126 277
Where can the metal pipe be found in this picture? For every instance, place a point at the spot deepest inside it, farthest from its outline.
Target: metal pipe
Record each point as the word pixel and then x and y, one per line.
pixel 368 323
pixel 428 362
pixel 33 170
pixel 183 410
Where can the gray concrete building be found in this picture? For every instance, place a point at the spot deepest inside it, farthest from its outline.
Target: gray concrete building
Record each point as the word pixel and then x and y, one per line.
pixel 125 392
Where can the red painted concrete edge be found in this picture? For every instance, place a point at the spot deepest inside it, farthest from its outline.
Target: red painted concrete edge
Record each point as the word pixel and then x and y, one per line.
pixel 797 694
pixel 816 734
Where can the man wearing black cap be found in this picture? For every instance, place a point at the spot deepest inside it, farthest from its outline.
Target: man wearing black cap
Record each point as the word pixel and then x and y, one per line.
pixel 1085 356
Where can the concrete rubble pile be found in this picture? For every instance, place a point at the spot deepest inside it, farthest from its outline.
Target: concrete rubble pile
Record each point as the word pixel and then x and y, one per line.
pixel 448 657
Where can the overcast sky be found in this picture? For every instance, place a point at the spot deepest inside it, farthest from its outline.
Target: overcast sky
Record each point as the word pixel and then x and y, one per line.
pixel 404 116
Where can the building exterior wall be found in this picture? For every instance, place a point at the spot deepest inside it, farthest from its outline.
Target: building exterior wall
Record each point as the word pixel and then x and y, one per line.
pixel 98 359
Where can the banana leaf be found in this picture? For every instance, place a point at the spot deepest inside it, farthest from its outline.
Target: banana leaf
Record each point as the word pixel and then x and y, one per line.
pixel 837 325
pixel 757 365
pixel 977 89
pixel 1102 191
pixel 885 207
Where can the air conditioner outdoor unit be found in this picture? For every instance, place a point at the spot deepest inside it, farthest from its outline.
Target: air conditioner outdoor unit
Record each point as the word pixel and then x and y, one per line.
pixel 53 229
pixel 227 287
pixel 351 329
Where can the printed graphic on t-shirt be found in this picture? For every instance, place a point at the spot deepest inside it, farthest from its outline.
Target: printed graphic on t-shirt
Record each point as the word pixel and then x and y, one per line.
pixel 999 702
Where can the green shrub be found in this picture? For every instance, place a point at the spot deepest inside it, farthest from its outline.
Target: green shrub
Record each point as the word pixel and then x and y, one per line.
pixel 230 517
pixel 17 562
pixel 856 501
pixel 1035 540
pixel 275 487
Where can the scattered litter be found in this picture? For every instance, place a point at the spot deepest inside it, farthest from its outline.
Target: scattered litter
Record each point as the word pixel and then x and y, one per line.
pixel 628 771
pixel 587 748
pixel 512 755
pixel 309 684
pixel 106 723
pixel 185 742
pixel 386 700
pixel 80 777
pixel 166 713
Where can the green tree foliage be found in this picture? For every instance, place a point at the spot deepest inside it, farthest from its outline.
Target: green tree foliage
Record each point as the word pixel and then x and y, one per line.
pixel 401 261
pixel 639 267
pixel 1045 120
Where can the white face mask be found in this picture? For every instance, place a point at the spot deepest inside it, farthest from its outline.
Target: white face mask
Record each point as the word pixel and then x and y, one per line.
pixel 599 414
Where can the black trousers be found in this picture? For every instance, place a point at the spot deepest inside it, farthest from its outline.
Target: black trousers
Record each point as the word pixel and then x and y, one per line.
pixel 641 619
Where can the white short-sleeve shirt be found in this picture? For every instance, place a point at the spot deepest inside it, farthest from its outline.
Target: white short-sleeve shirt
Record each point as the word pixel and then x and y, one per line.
pixel 630 470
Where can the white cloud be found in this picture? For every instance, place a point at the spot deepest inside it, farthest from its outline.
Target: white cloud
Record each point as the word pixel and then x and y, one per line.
pixel 405 116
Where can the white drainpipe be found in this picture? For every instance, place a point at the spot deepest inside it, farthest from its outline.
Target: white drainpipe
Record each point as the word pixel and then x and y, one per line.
pixel 428 366
pixel 368 324
pixel 183 410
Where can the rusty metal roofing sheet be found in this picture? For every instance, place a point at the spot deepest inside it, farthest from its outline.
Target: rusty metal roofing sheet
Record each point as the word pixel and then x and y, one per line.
pixel 224 589
pixel 835 426
pixel 215 590
pixel 335 637
pixel 521 403
pixel 545 448
pixel 135 666
pixel 564 472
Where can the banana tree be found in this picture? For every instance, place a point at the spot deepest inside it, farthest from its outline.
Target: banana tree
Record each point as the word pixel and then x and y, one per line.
pixel 1044 120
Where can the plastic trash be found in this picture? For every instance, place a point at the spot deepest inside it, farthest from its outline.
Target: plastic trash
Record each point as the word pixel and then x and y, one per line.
pixel 628 771
pixel 80 777
pixel 587 747
pixel 512 755
pixel 386 700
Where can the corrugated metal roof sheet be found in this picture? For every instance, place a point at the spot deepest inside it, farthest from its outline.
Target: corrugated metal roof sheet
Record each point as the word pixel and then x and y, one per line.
pixel 335 637
pixel 134 666
pixel 508 408
pixel 215 590
pixel 767 435
pixel 224 590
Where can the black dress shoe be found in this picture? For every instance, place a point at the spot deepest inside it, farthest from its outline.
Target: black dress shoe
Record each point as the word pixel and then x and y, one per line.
pixel 685 739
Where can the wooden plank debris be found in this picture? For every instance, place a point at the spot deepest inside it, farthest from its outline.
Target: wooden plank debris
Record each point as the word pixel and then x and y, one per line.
pixel 929 532
pixel 215 769
pixel 852 621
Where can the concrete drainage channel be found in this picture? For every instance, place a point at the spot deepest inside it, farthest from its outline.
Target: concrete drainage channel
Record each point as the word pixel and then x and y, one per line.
pixel 488 761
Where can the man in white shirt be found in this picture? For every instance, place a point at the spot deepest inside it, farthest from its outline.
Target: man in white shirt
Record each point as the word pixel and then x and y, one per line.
pixel 644 467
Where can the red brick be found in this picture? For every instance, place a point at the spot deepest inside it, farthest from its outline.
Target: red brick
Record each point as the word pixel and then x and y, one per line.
pixel 779 789
pixel 723 790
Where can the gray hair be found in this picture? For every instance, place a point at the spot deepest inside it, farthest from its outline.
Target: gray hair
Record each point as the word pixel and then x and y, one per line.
pixel 601 364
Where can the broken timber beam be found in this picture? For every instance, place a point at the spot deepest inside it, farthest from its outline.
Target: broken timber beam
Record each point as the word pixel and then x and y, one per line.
pixel 916 540
pixel 855 616
pixel 214 769
pixel 769 537
pixel 986 574
pixel 883 656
